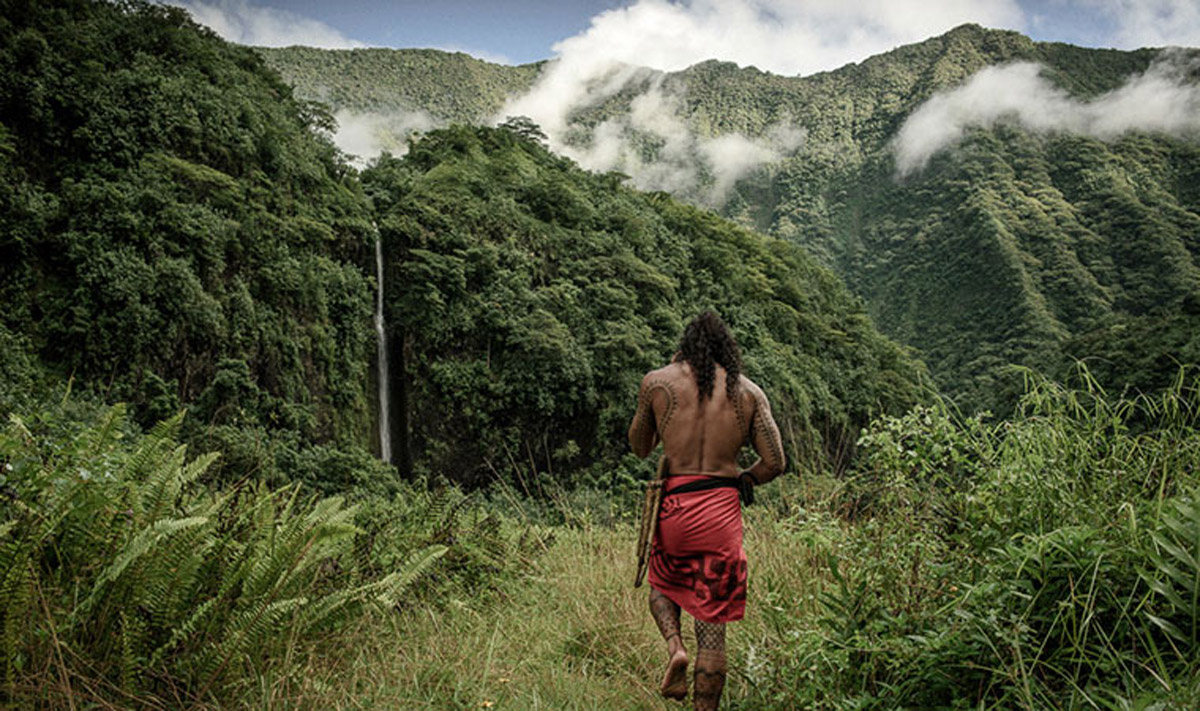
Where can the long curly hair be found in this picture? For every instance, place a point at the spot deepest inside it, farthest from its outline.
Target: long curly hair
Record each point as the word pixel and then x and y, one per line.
pixel 707 342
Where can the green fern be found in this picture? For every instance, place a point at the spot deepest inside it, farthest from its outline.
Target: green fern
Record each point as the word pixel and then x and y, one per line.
pixel 16 594
pixel 181 632
pixel 152 579
pixel 393 587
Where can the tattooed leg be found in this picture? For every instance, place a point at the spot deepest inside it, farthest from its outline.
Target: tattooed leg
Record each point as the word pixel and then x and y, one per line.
pixel 666 614
pixel 710 665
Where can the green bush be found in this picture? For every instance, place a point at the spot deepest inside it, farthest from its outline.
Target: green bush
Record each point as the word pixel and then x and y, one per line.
pixel 120 570
pixel 1045 562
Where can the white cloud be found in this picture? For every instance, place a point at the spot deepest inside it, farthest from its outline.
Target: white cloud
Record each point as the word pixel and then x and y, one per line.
pixel 239 21
pixel 782 36
pixel 732 157
pixel 701 168
pixel 1161 100
pixel 365 135
pixel 1151 23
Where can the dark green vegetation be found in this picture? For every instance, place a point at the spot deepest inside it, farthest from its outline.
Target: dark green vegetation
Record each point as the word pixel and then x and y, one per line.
pixel 1051 561
pixel 1014 247
pixel 172 232
pixel 177 234
pixel 532 296
pixel 451 88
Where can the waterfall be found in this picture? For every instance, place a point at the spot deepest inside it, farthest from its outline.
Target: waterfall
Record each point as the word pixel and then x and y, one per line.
pixel 385 424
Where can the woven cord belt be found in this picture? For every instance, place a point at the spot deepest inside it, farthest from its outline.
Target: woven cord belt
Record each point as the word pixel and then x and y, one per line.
pixel 744 484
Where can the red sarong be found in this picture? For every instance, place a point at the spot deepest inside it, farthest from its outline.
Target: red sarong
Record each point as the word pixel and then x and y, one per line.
pixel 697 558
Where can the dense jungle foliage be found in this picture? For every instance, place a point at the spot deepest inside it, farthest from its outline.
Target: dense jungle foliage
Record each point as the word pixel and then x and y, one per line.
pixel 1013 248
pixel 530 297
pixel 190 517
pixel 173 233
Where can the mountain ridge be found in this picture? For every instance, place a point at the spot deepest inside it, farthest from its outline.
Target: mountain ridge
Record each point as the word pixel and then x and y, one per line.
pixel 968 216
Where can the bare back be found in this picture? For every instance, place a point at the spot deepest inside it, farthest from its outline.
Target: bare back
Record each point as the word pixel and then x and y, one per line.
pixel 705 436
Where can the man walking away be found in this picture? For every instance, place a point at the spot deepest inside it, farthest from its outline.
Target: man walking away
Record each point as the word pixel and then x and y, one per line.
pixel 703 410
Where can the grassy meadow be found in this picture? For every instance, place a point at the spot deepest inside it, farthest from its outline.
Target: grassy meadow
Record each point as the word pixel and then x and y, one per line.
pixel 572 634
pixel 1049 561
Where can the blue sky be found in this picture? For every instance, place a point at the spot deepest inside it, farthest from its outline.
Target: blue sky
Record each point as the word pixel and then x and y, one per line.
pixel 515 31
pixel 518 31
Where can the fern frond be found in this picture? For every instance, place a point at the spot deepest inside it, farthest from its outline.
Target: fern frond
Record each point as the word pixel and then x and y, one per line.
pixel 394 586
pixel 247 630
pixel 98 438
pixel 140 545
pixel 182 631
pixel 16 595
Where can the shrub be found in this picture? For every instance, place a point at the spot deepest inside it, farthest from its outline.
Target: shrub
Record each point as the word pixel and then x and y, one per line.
pixel 118 570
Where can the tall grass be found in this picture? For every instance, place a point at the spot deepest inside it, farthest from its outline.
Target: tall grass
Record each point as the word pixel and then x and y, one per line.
pixel 1050 561
pixel 1045 562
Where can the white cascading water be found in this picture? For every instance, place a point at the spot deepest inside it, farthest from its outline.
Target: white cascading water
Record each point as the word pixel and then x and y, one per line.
pixel 385 429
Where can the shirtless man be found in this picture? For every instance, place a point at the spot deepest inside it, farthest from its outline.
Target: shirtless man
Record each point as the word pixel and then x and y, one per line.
pixel 703 410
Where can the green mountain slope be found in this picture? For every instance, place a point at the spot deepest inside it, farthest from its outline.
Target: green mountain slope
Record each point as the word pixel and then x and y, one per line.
pixel 178 232
pixel 531 296
pixel 172 232
pixel 1012 247
pixel 451 87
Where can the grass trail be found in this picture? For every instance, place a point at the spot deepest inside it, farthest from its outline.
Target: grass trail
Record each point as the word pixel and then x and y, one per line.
pixel 575 635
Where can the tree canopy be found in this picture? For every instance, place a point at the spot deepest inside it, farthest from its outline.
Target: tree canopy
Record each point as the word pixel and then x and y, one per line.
pixel 174 232
pixel 531 296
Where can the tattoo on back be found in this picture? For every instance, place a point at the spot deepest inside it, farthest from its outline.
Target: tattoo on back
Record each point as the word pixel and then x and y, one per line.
pixel 740 410
pixel 669 388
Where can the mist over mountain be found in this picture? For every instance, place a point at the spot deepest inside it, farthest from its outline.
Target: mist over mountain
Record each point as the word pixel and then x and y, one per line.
pixel 994 200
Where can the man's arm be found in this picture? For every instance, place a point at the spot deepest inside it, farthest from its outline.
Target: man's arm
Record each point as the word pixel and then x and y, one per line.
pixel 656 394
pixel 764 435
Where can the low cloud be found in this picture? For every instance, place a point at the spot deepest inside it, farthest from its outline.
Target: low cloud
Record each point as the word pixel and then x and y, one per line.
pixel 239 21
pixel 365 135
pixel 1162 100
pixel 654 145
pixel 623 49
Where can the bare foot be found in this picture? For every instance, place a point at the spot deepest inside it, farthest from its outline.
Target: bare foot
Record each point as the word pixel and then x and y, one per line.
pixel 674 684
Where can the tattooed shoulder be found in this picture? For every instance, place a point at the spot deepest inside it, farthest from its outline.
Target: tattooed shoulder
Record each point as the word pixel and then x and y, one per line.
pixel 655 384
